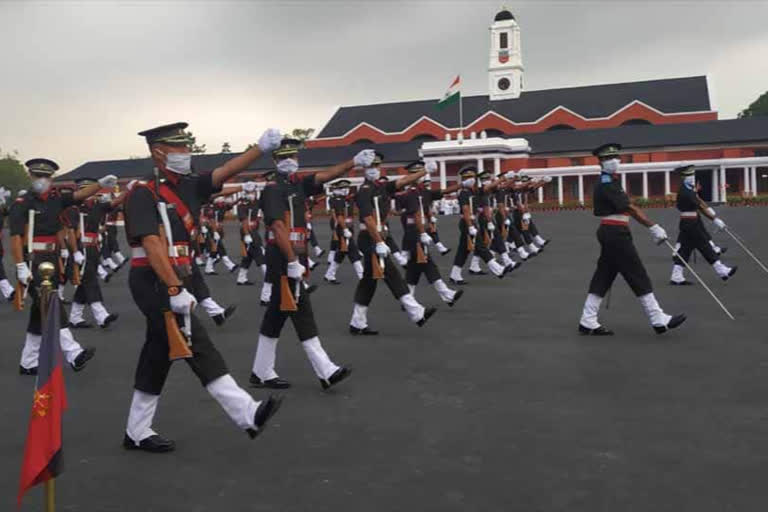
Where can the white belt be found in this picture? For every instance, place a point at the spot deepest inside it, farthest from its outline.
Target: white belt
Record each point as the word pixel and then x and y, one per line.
pixel 42 246
pixel 90 239
pixel 615 219
pixel 689 215
pixel 410 221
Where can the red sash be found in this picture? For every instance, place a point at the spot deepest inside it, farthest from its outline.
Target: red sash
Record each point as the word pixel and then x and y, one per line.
pixel 170 196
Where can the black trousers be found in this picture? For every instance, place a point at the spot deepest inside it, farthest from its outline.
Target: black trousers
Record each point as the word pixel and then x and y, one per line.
pixel 498 243
pixel 2 268
pixel 89 291
pixel 481 250
pixel 366 287
pixel 532 229
pixel 312 238
pixel 435 235
pixel 153 366
pixel 618 256
pixel 517 217
pixel 414 270
pixel 513 234
pixel 304 318
pixel 694 236
pixel 197 285
pixel 34 325
pixel 253 251
pixel 353 252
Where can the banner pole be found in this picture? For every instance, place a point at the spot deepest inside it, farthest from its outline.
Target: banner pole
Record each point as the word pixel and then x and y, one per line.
pixel 50 495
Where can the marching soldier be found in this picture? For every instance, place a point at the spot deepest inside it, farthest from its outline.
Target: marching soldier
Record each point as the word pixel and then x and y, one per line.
pixel 514 239
pixel 373 202
pixel 6 289
pixel 522 217
pixel 111 246
pixel 160 222
pixel 319 251
pixel 617 251
pixel 36 216
pixel 252 248
pixel 343 242
pixel 417 208
pixel 502 222
pixel 283 204
pixel 219 208
pixel 693 234
pixel 92 213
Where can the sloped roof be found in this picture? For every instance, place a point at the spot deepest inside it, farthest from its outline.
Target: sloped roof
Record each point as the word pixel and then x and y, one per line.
pixel 674 95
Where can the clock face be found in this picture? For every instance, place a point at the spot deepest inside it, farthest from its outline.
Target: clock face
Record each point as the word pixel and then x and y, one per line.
pixel 504 84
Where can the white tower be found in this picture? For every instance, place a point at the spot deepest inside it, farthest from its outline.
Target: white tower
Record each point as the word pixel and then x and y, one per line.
pixel 505 71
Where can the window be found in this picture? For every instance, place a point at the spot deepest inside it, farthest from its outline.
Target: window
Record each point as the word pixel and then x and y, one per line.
pixel 560 127
pixel 363 141
pixel 635 122
pixel 424 137
pixel 503 40
pixel 492 132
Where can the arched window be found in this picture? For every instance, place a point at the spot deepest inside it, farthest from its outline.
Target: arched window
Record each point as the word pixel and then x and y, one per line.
pixel 560 127
pixel 635 122
pixel 492 132
pixel 363 141
pixel 424 137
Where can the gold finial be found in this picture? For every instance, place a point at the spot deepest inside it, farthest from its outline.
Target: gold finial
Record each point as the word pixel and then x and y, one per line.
pixel 46 270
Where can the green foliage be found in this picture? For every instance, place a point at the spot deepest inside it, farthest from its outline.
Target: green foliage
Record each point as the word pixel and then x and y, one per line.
pixel 301 133
pixel 13 175
pixel 226 148
pixel 193 147
pixel 759 107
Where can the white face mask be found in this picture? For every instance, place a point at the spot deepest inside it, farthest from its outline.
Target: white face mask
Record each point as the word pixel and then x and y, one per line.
pixel 689 181
pixel 104 198
pixel 611 166
pixel 287 166
pixel 250 197
pixel 341 192
pixel 41 185
pixel 372 173
pixel 468 183
pixel 179 163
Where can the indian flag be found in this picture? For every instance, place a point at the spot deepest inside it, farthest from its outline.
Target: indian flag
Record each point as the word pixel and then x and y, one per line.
pixel 452 94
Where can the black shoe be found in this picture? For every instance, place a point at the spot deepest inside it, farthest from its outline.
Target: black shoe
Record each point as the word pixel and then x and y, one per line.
pixel 311 288
pixel 478 272
pixel 427 314
pixel 245 283
pixel 313 265
pixel 214 273
pixel 443 253
pixel 82 360
pixel 338 376
pixel 108 277
pixel 81 325
pixel 27 371
pixel 457 282
pixel 222 317
pixel 320 254
pixel 456 297
pixel 11 296
pixel 263 303
pixel 733 271
pixel 723 250
pixel 331 281
pixel 110 318
pixel 681 283
pixel 152 444
pixel 599 331
pixel 509 268
pixel 267 409
pixel 66 302
pixel 675 321
pixel 276 383
pixel 365 331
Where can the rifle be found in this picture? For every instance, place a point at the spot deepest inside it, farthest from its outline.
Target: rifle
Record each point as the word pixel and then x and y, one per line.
pixel 289 301
pixel 471 239
pixel 377 266
pixel 21 290
pixel 421 256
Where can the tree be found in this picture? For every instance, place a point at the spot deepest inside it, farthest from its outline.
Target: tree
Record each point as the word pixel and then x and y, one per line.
pixel 13 175
pixel 226 148
pixel 759 107
pixel 193 147
pixel 301 133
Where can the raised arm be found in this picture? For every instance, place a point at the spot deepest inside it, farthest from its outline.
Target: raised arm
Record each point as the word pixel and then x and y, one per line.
pixel 269 141
pixel 408 179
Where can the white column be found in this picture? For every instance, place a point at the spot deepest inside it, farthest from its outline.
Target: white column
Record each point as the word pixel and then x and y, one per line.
pixel 560 190
pixel 624 181
pixel 645 184
pixel 480 167
pixel 443 175
pixel 496 167
pixel 667 187
pixel 541 195
pixel 754 181
pixel 747 179
pixel 715 195
pixel 581 189
pixel 724 194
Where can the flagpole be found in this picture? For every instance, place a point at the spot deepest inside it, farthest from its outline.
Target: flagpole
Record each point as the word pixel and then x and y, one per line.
pixel 50 495
pixel 461 119
pixel 46 289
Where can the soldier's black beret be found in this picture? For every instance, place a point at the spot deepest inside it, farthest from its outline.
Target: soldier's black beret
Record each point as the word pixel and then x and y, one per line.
pixel 172 134
pixel 415 166
pixel 609 150
pixel 42 166
pixel 287 147
pixel 686 170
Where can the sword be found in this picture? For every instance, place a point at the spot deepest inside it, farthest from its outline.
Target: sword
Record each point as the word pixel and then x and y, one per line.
pixel 738 241
pixel 82 240
pixel 675 253
pixel 382 263
pixel 297 287
pixel 30 247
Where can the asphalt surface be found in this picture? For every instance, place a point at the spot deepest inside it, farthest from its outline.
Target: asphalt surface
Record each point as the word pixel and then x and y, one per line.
pixel 496 405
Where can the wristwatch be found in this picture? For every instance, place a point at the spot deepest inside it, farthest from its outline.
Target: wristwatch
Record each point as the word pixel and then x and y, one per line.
pixel 174 290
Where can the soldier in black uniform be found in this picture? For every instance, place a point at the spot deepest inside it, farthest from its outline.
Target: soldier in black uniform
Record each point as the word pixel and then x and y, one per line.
pixel 283 203
pixel 110 250
pixel 6 289
pixel 160 221
pixel 417 207
pixel 252 248
pixel 693 235
pixel 93 211
pixel 373 202
pixel 343 242
pixel 37 215
pixel 617 251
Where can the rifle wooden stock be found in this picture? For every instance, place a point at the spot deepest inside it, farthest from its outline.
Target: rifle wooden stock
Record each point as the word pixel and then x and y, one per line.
pixel 76 277
pixel 470 243
pixel 243 249
pixel 486 239
pixel 421 257
pixel 504 233
pixel 287 302
pixel 376 271
pixel 343 246
pixel 178 346
pixel 18 298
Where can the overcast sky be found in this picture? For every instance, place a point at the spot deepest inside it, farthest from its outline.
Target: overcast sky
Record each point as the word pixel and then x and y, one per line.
pixel 81 78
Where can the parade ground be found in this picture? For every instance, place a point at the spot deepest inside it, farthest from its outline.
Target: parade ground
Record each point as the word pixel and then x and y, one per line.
pixel 497 404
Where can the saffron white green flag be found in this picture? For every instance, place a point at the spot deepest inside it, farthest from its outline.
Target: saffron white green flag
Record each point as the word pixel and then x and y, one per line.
pixel 452 94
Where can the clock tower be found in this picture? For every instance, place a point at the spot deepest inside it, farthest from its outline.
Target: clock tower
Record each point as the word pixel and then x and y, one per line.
pixel 505 70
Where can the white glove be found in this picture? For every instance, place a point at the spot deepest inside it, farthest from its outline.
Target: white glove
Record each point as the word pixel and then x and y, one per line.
pixel 364 158
pixel 382 249
pixel 22 273
pixel 295 269
pixel 65 254
pixel 658 234
pixel 216 236
pixel 309 226
pixel 248 239
pixel 79 257
pixel 711 212
pixel 472 231
pixel 430 166
pixel 204 230
pixel 108 181
pixel 347 233
pixel 507 222
pixel 183 303
pixel 719 224
pixel 425 239
pixel 249 186
pixel 433 219
pixel 131 184
pixel 491 227
pixel 547 179
pixel 270 140
pixel 527 216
